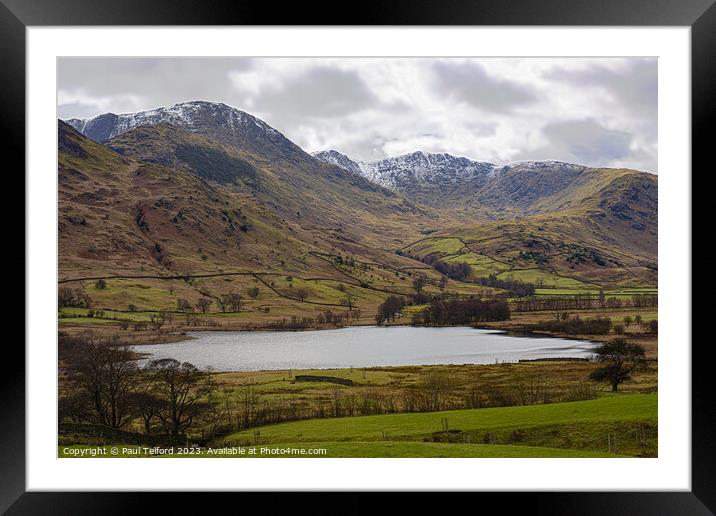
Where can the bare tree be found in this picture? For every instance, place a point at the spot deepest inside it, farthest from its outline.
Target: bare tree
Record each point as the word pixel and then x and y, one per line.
pixel 248 400
pixel 147 407
pixel 348 302
pixel 437 388
pixel 157 321
pixel 622 358
pixel 231 302
pixel 419 282
pixel 204 303
pixel 105 374
pixel 183 305
pixel 302 293
pixel 67 296
pixel 181 388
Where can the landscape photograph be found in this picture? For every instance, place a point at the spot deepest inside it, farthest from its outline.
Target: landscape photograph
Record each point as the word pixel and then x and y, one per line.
pixel 269 257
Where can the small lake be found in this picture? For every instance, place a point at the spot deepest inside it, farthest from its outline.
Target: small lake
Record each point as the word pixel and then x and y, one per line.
pixel 360 346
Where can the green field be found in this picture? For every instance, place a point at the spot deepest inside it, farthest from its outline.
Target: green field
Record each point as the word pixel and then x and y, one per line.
pixel 574 427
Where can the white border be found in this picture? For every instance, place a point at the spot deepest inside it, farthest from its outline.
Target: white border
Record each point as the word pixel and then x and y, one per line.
pixel 670 471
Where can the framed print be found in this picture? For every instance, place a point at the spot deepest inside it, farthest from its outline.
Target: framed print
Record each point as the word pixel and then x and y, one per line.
pixel 441 248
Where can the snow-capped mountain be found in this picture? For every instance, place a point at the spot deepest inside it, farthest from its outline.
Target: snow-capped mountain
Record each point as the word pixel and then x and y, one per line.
pixel 215 120
pixel 340 160
pixel 418 167
pixel 188 115
pixel 437 179
pixel 432 179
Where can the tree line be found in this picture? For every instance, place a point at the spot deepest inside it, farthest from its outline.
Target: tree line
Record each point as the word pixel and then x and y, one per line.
pixel 466 311
pixel 515 288
pixel 458 271
pixel 563 323
pixel 325 318
pixel 582 302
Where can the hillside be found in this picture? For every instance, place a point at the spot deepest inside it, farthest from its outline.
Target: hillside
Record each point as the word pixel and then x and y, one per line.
pixel 550 223
pixel 161 225
pixel 488 191
pixel 201 199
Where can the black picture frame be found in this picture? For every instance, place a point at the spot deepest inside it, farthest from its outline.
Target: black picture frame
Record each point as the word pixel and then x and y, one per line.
pixel 16 15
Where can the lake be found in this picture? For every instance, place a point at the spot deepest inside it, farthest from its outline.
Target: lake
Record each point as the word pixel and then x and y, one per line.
pixel 360 346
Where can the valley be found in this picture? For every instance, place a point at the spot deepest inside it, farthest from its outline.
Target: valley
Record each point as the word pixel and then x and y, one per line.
pixel 200 217
pixel 163 212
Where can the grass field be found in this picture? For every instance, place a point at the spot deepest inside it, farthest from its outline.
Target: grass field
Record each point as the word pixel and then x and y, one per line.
pixel 584 426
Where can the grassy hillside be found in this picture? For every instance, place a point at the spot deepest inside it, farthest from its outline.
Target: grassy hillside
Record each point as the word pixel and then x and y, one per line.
pixel 581 229
pixel 565 250
pixel 163 214
pixel 581 425
pixel 158 226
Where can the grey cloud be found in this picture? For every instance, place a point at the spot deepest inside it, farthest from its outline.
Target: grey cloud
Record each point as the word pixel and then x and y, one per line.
pixel 317 92
pixel 153 82
pixel 366 149
pixel 471 83
pixel 635 85
pixel 582 141
pixel 76 110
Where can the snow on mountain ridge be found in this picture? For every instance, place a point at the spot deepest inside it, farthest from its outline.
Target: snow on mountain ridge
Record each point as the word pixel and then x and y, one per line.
pixel 340 160
pixel 184 114
pixel 423 167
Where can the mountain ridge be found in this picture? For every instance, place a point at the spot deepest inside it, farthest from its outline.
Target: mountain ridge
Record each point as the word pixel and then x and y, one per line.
pixel 599 225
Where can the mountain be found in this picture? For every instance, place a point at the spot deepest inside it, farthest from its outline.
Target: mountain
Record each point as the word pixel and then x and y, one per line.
pixel 164 224
pixel 340 160
pixel 118 216
pixel 203 187
pixel 550 222
pixel 421 176
pixel 225 145
pixel 215 120
pixel 582 229
pixel 481 188
pixel 191 188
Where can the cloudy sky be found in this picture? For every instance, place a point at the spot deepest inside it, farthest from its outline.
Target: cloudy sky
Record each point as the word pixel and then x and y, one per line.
pixel 598 112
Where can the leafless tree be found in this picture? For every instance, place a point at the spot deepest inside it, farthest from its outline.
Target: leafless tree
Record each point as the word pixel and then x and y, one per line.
pixel 147 407
pixel 181 388
pixel 105 374
pixel 302 293
pixel 437 388
pixel 348 302
pixel 419 282
pixel 183 305
pixel 248 401
pixel 231 302
pixel 204 303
